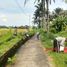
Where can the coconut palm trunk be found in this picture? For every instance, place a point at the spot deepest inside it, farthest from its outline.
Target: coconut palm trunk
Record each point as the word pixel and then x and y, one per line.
pixel 43 14
pixel 47 19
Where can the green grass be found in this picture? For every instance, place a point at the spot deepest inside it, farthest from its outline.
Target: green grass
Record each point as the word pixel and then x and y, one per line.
pixel 11 60
pixel 6 43
pixel 59 59
pixel 5 38
pixel 9 40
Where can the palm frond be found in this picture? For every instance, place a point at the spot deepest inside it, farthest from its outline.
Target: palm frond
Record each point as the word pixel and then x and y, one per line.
pixel 38 0
pixel 25 2
pixel 50 1
pixel 54 1
pixel 35 1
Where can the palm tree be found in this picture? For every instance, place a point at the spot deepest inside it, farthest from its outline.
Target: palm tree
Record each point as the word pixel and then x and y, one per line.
pixel 38 14
pixel 58 11
pixel 47 18
pixel 44 2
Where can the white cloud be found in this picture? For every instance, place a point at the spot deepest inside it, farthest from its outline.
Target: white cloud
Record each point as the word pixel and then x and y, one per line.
pixel 3 18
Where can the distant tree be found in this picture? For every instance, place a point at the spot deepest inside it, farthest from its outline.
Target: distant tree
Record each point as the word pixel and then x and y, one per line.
pixel 63 13
pixel 58 11
pixel 26 27
pixel 21 27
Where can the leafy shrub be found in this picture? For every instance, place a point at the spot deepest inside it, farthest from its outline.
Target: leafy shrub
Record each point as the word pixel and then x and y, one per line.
pixel 59 23
pixel 51 36
pixel 53 30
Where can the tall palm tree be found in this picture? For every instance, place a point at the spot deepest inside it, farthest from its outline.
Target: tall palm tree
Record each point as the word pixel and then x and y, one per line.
pixel 37 14
pixel 47 18
pixel 44 2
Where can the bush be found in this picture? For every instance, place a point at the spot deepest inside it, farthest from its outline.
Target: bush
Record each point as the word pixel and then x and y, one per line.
pixel 51 36
pixel 53 30
pixel 59 23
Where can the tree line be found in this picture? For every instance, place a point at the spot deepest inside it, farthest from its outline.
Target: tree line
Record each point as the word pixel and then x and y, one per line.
pixel 54 21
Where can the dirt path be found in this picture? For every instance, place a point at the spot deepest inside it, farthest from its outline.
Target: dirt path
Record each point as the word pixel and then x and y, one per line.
pixel 31 55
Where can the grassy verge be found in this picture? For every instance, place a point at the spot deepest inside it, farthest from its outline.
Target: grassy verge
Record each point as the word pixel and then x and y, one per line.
pixel 59 59
pixel 11 61
pixel 8 44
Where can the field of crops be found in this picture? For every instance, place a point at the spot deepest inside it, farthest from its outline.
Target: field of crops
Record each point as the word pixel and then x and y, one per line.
pixel 8 39
pixel 5 30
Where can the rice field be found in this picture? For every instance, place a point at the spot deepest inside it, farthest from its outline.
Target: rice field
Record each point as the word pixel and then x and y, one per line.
pixel 5 31
pixel 8 39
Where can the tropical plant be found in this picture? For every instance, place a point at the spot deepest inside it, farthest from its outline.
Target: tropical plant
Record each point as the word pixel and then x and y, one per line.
pixel 58 10
pixel 44 2
pixel 60 23
pixel 39 13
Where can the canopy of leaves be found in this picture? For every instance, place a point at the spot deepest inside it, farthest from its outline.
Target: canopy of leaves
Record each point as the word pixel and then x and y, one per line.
pixel 60 23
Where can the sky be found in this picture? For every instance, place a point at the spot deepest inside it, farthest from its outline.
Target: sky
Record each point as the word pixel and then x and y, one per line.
pixel 14 13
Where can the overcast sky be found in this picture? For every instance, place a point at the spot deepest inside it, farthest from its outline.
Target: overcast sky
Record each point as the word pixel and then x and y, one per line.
pixel 13 12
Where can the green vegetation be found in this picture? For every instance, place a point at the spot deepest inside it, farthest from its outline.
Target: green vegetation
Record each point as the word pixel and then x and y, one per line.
pixel 11 60
pixel 59 59
pixel 59 24
pixel 10 39
pixel 5 38
pixel 7 41
pixel 55 24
